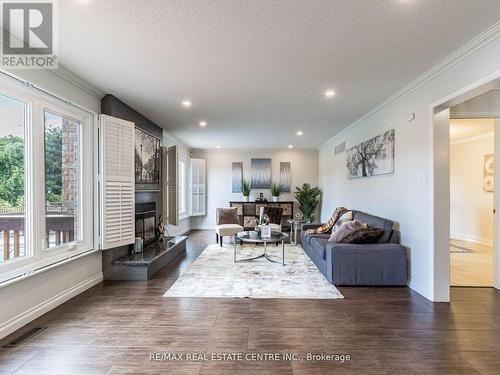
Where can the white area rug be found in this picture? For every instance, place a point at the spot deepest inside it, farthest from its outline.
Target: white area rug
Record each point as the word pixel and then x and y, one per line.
pixel 214 274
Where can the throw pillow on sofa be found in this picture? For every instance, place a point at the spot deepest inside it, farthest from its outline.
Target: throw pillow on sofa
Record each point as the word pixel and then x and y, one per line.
pixel 345 217
pixel 347 229
pixel 365 235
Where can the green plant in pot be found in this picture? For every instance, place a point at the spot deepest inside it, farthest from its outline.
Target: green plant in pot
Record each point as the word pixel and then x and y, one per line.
pixel 276 191
pixel 308 198
pixel 245 189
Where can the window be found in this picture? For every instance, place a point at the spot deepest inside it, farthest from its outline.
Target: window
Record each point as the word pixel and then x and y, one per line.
pixel 12 179
pixel 183 186
pixel 62 179
pixel 46 180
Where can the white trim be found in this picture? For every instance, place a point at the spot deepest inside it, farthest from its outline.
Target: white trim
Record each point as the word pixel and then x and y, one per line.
pixel 36 100
pixel 496 221
pixel 183 158
pixel 76 81
pixel 29 274
pixel 473 138
pixel 439 229
pixel 467 49
pixel 40 91
pixel 26 317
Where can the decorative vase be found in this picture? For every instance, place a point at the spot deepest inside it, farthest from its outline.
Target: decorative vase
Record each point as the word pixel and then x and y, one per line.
pixel 245 198
pixel 276 199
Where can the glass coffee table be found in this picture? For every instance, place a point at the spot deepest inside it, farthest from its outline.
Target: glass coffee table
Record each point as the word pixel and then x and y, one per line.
pixel 256 238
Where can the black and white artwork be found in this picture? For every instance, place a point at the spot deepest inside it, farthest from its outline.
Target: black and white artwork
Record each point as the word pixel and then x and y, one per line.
pixel 237 176
pixel 372 157
pixel 261 173
pixel 147 161
pixel 285 176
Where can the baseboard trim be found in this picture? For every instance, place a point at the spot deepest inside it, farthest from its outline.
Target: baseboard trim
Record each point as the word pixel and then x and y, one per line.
pixel 415 287
pixel 26 317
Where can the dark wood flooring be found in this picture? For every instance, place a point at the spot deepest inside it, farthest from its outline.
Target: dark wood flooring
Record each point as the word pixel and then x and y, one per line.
pixel 115 326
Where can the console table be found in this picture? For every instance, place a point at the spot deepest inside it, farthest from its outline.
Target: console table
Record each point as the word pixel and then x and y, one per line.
pixel 249 211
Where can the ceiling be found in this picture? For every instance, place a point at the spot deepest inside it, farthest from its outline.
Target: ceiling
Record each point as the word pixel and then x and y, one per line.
pixel 256 70
pixel 464 129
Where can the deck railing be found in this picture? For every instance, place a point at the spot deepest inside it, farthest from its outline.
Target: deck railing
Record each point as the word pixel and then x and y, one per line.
pixel 60 230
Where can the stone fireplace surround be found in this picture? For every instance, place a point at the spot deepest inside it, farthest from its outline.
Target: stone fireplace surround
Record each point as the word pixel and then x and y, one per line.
pixel 116 265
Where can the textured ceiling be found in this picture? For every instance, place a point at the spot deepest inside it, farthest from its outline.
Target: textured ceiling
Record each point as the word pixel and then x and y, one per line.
pixel 256 70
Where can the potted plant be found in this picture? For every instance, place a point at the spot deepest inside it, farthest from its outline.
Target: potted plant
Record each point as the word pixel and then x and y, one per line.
pixel 308 198
pixel 276 191
pixel 245 189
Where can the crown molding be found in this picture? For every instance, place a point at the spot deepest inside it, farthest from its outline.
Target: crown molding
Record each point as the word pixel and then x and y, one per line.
pixel 75 80
pixel 454 58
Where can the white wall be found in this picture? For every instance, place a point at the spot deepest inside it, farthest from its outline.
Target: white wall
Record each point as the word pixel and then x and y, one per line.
pixel 25 300
pixel 406 196
pixel 485 105
pixel 471 208
pixel 304 168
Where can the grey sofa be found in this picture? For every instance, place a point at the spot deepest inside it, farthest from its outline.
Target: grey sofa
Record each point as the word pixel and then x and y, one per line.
pixel 381 263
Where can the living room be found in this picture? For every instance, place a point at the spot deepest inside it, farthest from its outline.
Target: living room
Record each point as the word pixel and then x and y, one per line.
pixel 247 187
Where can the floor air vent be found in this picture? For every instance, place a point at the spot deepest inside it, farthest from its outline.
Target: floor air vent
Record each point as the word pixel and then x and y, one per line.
pixel 18 341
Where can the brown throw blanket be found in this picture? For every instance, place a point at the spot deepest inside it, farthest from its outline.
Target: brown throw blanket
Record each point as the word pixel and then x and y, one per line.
pixel 339 211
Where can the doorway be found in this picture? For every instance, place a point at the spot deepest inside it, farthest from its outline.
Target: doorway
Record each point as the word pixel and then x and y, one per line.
pixel 480 100
pixel 472 148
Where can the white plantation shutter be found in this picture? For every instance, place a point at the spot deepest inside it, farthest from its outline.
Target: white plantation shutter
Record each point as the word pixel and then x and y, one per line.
pixel 197 187
pixel 117 181
pixel 173 193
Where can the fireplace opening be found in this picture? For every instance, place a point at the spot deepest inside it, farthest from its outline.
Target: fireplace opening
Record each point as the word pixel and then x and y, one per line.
pixel 145 222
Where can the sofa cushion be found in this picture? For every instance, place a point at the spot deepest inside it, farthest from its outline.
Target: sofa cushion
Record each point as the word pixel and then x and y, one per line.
pixel 376 222
pixel 373 221
pixel 309 237
pixel 318 246
pixel 385 237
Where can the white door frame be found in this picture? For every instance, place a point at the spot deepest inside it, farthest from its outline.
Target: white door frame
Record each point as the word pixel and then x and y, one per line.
pixel 496 205
pixel 439 192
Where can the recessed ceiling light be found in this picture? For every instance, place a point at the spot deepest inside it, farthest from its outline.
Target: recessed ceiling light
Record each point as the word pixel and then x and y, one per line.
pixel 299 133
pixel 203 124
pixel 218 146
pixel 186 103
pixel 329 93
pixel 290 146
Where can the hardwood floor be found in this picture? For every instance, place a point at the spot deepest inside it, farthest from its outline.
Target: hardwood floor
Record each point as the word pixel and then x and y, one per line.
pixel 471 269
pixel 114 327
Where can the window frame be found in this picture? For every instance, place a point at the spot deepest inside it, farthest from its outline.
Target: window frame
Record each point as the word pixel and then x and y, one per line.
pixel 85 203
pixel 185 187
pixel 23 264
pixel 37 256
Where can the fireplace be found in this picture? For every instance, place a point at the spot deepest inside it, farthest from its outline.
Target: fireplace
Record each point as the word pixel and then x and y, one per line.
pixel 145 222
